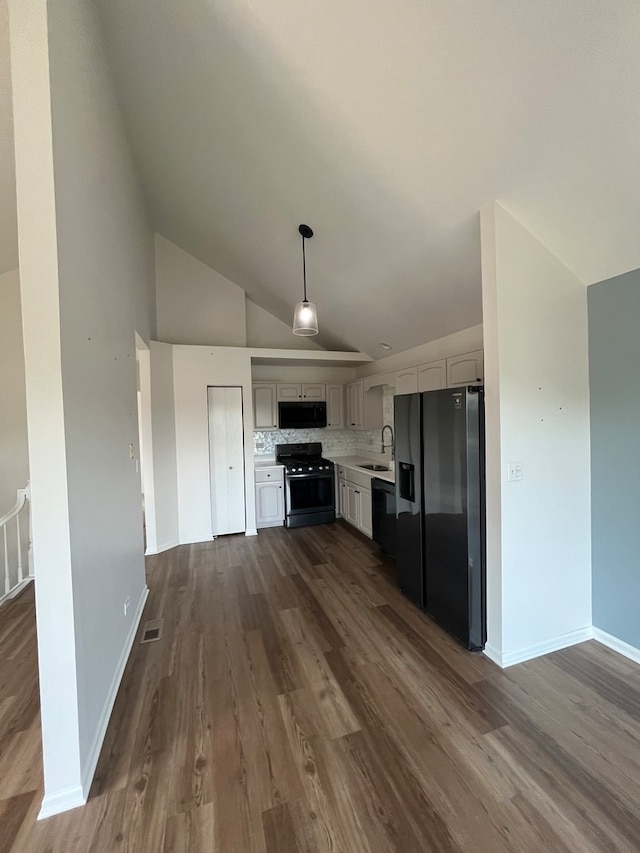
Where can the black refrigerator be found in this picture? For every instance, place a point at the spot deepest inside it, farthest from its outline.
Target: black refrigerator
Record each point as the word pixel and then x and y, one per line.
pixel 440 490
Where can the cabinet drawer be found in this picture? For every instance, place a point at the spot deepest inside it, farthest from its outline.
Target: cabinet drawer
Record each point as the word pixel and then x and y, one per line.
pixel 268 475
pixel 359 478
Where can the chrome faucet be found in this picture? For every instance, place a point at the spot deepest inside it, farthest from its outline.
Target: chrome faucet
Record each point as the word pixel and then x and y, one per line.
pixel 392 445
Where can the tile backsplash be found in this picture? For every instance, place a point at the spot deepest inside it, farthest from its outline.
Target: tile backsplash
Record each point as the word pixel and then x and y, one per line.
pixel 367 441
pixel 264 442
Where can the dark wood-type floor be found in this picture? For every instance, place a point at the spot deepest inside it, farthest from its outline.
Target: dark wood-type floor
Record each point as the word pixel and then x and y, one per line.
pixel 296 702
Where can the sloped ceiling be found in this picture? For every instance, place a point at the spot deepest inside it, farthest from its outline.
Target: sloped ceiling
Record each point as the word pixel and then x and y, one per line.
pixel 8 223
pixel 386 127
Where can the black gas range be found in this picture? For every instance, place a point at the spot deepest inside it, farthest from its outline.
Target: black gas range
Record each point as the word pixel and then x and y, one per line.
pixel 309 480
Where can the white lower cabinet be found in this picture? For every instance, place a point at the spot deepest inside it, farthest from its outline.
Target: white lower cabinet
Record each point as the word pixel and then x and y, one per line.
pixel 365 520
pixel 270 496
pixel 354 489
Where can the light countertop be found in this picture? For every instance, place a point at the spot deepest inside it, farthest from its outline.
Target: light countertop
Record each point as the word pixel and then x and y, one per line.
pixel 266 463
pixel 355 464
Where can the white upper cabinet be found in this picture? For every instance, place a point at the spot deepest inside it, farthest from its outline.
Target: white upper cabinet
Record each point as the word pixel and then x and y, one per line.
pixel 432 376
pixel 290 392
pixel 467 369
pixel 296 392
pixel 406 381
pixel 313 392
pixel 265 410
pixel 335 406
pixel 355 401
pixel 364 408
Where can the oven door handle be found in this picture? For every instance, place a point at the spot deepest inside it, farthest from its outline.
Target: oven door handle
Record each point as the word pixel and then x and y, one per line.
pixel 308 474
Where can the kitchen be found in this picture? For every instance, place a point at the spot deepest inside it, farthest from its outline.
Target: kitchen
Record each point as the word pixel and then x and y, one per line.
pixel 328 450
pixel 406 236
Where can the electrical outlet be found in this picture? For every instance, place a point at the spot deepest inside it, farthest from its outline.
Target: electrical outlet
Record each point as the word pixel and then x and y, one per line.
pixel 127 602
pixel 514 472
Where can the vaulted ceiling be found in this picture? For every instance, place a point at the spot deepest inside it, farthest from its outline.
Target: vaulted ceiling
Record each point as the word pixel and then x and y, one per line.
pixel 386 127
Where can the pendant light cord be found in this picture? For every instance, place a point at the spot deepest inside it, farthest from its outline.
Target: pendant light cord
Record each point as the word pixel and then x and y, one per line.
pixel 304 271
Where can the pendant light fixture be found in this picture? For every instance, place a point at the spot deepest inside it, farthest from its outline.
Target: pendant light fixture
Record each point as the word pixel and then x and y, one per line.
pixel 305 317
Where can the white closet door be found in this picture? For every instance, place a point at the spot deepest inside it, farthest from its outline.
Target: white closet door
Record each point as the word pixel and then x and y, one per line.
pixel 226 460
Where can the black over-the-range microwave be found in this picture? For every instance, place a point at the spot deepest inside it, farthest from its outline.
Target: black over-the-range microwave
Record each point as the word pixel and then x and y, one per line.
pixel 302 415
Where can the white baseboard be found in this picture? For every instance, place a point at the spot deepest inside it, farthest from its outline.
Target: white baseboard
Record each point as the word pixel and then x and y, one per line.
pixel 165 546
pixel 92 761
pixel 253 531
pixel 493 654
pixel 563 641
pixel 617 645
pixel 62 801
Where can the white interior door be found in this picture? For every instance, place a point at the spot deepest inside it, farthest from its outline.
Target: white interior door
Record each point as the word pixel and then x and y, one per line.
pixel 226 460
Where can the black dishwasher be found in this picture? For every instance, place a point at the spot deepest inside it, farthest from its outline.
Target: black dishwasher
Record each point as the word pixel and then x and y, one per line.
pixel 383 495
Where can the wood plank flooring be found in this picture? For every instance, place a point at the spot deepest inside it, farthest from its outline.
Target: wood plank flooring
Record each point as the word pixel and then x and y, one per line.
pixel 297 702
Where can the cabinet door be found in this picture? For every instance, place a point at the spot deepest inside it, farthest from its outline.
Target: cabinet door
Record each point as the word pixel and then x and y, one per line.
pixel 355 405
pixel 264 406
pixel 313 393
pixel 342 497
pixel 465 369
pixel 269 504
pixel 365 517
pixel 432 376
pixel 406 381
pixel 335 406
pixel 353 504
pixel 291 392
pixel 351 423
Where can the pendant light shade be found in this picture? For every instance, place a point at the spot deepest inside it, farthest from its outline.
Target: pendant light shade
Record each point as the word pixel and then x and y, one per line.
pixel 305 319
pixel 305 316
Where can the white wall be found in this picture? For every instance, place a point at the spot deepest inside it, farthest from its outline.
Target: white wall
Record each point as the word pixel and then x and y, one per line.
pixel 194 369
pixel 14 457
pixel 307 373
pixel 163 449
pixel 86 263
pixel 458 343
pixel 265 330
pixel 537 400
pixel 195 304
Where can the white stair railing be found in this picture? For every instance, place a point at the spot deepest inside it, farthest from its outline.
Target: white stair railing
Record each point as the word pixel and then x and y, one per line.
pixel 16 538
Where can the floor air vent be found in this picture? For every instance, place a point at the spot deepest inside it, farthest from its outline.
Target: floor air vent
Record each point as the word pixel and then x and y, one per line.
pixel 152 630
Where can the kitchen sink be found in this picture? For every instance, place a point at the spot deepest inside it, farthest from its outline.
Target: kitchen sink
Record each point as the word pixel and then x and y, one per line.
pixel 371 466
